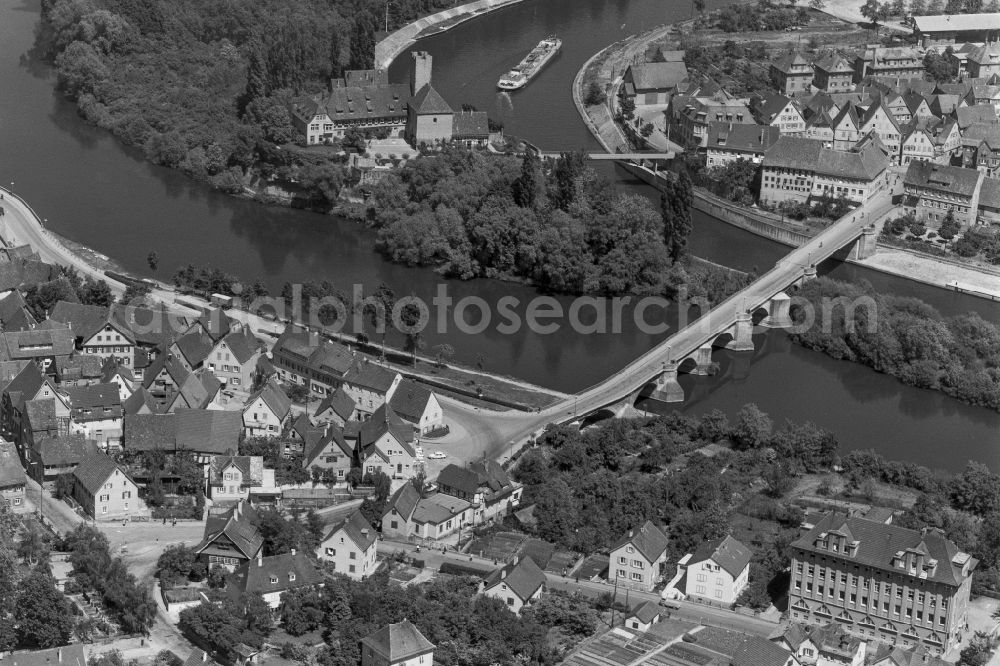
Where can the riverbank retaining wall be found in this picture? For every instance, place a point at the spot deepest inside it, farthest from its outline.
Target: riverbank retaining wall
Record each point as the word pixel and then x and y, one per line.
pixel 395 43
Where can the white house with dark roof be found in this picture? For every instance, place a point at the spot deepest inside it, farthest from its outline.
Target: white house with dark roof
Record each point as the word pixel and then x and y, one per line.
pixel 113 372
pixel 303 358
pixel 833 73
pixel 399 644
pixel 777 110
pixel 350 547
pixel 12 478
pixel 369 385
pixel 273 576
pixel 418 405
pixel 199 390
pixel 757 651
pixel 934 190
pixel 822 645
pixel 232 538
pixel 337 408
pixel 652 83
pixel 791 74
pixel 637 559
pixel 362 100
pixel 233 360
pixel 96 412
pixel 486 485
pixel 105 491
pixel 267 411
pixel 516 584
pixel 96 332
pixel 728 142
pixel 718 571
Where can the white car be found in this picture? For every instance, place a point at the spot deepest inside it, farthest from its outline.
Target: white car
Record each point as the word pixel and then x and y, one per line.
pixel 438 455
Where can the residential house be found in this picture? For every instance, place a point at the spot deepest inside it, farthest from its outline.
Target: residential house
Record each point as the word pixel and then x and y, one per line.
pixel 846 127
pixel 757 651
pixel 29 384
pixel 981 148
pixel 331 454
pixel 96 411
pixel 985 61
pixel 976 113
pixel 205 433
pixel 687 117
pixel 959 57
pixel 234 478
pixel 417 405
pixel 79 370
pixel 337 408
pixel 49 345
pixel 517 584
pixel 163 378
pixel 823 645
pixel 833 73
pixel 989 203
pixel 399 644
pixel 652 83
pixel 53 456
pixel 953 28
pixel 192 348
pixel 350 547
pixel 643 616
pixel 486 485
pixel 897 585
pixel 370 386
pixel 301 358
pixel 408 515
pixel 105 491
pixel 880 120
pixel 638 558
pixel 231 539
pixel 791 74
pixel 778 111
pixel 199 390
pixel 141 402
pixel 12 479
pixel 797 169
pixel 96 332
pixel 918 140
pixel 935 189
pixel 984 95
pixel 728 142
pixel 266 412
pixel 470 129
pixel 718 571
pixel 385 443
pixel 896 61
pixel 113 372
pixel 152 328
pixel 14 314
pixel 273 576
pixel 43 417
pixel 233 360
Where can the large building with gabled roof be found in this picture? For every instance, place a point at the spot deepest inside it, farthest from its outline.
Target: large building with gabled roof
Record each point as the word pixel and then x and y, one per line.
pixel 897 585
pixel 349 547
pixel 105 491
pixel 796 169
pixel 273 576
pixel 791 74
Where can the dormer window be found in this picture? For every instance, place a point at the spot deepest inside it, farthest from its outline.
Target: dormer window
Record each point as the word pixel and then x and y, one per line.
pixel 291 576
pixel 274 580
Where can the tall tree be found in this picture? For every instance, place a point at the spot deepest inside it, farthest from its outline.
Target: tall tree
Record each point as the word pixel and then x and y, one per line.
pixel 42 613
pixel 675 210
pixel 526 187
pixel 363 40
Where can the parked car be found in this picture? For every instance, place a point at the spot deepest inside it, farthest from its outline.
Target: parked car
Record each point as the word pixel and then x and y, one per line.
pixel 438 455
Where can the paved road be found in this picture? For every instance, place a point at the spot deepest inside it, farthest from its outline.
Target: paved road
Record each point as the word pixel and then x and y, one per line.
pixel 56 513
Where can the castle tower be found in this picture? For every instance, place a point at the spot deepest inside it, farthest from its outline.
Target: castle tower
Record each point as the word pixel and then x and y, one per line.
pixel 422 62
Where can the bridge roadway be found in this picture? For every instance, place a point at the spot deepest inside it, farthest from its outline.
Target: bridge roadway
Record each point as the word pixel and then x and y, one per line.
pixel 799 264
pixel 617 157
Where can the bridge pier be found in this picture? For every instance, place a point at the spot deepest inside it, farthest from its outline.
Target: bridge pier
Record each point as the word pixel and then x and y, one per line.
pixel 742 332
pixel 668 389
pixel 866 245
pixel 704 365
pixel 780 312
pixel 808 273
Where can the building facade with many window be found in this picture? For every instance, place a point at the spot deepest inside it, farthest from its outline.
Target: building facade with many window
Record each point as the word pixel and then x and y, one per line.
pixel 900 586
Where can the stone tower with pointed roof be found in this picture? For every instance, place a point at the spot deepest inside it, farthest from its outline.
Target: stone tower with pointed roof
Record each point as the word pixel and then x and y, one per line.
pixel 429 118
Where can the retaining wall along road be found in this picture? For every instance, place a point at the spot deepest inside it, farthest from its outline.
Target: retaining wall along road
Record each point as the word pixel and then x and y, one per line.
pixel 395 43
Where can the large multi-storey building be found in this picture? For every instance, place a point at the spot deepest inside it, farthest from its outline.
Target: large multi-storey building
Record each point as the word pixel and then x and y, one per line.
pixel 791 74
pixel 897 61
pixel 900 586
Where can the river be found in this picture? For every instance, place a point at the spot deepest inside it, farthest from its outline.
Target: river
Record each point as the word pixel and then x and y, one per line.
pixel 93 190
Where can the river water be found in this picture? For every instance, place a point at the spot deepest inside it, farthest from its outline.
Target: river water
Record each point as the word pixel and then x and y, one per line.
pixel 93 190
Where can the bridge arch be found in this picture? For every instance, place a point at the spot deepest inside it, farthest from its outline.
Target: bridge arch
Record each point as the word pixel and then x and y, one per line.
pixel 759 314
pixel 688 365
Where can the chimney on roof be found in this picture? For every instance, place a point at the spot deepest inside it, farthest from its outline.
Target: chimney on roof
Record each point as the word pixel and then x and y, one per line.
pixel 260 557
pixel 293 552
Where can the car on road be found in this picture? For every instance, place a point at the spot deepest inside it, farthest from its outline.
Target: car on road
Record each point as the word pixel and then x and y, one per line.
pixel 438 455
